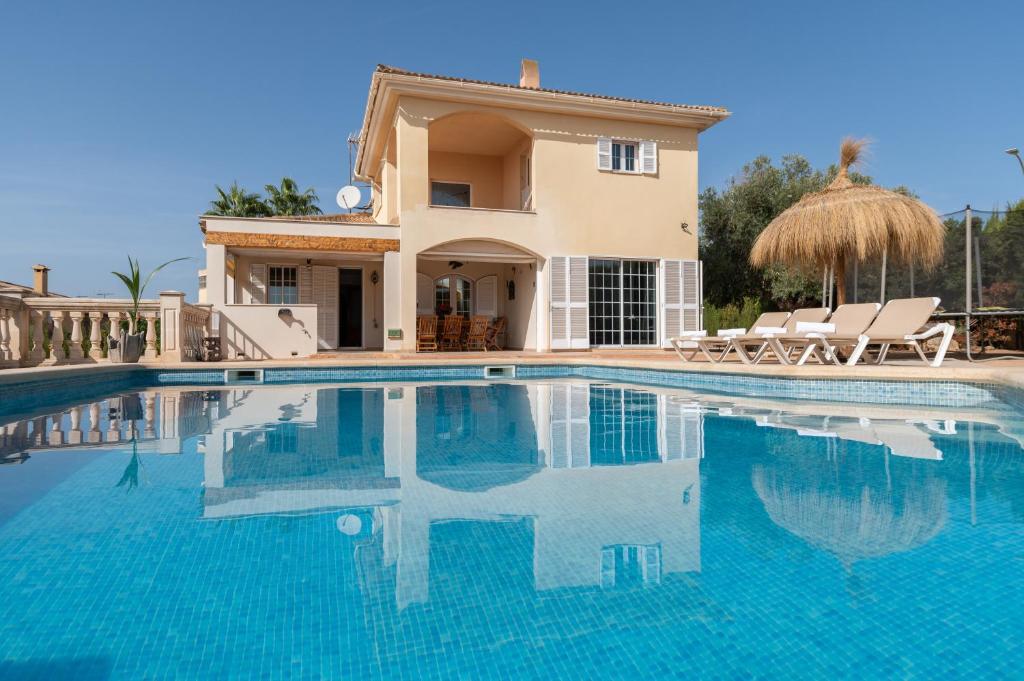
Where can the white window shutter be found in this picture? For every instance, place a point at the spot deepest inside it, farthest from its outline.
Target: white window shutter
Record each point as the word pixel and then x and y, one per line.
pixel 258 283
pixel 579 425
pixel 680 298
pixel 692 275
pixel 693 432
pixel 579 297
pixel 559 266
pixel 671 300
pixel 649 158
pixel 487 296
pixel 559 425
pixel 570 425
pixel 325 294
pixel 424 294
pixel 305 285
pixel 604 153
pixel 680 429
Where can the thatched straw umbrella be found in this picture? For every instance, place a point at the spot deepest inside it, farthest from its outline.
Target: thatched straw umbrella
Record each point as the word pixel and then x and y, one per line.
pixel 853 506
pixel 846 220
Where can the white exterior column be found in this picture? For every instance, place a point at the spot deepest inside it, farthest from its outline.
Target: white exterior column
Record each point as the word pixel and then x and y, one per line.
pixel 542 308
pixel 393 298
pixel 394 397
pixel 412 574
pixel 216 274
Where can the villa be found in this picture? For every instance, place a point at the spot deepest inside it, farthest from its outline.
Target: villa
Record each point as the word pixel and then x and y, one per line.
pixel 573 216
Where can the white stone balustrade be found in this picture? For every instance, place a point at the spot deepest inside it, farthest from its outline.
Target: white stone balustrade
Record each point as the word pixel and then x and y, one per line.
pixel 9 310
pixel 80 327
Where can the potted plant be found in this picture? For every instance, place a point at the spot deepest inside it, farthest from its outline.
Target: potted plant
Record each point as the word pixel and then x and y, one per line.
pixel 126 346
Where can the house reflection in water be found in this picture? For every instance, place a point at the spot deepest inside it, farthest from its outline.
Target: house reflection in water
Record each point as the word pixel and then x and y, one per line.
pixel 601 483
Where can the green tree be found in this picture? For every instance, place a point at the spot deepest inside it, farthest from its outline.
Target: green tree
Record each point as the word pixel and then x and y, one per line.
pixel 237 202
pixel 731 220
pixel 286 199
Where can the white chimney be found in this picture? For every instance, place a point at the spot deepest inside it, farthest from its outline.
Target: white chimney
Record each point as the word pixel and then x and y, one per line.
pixel 529 74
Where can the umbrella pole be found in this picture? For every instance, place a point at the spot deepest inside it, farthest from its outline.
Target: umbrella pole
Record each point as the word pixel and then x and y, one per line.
pixel 856 264
pixel 840 282
pixel 881 293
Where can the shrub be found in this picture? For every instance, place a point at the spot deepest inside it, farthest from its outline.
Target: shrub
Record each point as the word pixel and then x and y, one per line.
pixel 731 317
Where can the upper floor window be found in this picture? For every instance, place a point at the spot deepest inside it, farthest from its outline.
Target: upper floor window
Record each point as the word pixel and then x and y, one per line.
pixel 624 156
pixel 284 285
pixel 627 156
pixel 450 194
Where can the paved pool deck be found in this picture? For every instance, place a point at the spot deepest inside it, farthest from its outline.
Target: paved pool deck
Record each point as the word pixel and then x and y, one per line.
pixel 904 367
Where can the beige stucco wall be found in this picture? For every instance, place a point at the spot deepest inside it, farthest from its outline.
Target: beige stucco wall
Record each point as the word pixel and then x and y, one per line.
pixel 484 175
pixel 257 332
pixel 579 210
pixel 576 209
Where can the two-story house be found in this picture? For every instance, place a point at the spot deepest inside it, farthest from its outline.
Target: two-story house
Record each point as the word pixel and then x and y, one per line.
pixel 574 216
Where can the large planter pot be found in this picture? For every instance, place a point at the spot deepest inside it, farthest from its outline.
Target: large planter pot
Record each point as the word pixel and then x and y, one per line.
pixel 126 348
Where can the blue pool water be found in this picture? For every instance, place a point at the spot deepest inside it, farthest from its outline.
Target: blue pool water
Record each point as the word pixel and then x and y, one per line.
pixel 534 529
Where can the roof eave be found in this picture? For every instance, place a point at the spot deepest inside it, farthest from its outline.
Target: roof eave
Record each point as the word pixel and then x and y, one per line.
pixel 509 96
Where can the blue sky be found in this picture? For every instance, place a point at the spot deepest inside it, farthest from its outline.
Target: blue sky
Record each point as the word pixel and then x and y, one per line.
pixel 117 118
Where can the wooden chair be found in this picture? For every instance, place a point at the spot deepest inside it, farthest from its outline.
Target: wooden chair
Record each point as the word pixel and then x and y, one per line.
pixel 451 336
pixel 493 340
pixel 476 339
pixel 426 333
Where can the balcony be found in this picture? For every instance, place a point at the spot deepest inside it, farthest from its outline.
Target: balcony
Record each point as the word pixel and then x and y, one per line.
pixel 480 161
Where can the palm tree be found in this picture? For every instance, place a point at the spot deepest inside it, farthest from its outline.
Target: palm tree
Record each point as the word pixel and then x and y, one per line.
pixel 288 200
pixel 238 203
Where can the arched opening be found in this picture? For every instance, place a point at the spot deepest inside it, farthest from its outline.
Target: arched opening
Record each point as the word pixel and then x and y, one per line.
pixel 479 160
pixel 481 278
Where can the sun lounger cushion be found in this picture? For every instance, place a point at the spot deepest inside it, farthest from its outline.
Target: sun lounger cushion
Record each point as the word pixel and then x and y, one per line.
pixel 731 332
pixel 761 330
pixel 815 327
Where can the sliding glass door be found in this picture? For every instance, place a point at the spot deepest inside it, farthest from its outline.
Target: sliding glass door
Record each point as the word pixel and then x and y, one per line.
pixel 623 302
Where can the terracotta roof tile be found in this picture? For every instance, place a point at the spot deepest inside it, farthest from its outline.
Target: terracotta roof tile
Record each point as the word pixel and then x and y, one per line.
pixel 383 68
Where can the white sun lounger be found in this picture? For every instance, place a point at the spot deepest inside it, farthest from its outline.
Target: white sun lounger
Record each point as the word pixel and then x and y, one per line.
pixel 900 322
pixel 716 347
pixel 752 347
pixel 848 321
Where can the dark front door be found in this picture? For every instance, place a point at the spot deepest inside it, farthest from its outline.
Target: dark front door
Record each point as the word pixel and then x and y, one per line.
pixel 350 308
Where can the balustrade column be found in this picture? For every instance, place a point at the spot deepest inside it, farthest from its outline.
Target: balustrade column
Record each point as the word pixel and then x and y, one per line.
pixel 5 337
pixel 94 435
pixel 150 335
pixel 115 328
pixel 96 335
pixel 57 355
pixel 75 352
pixel 149 427
pixel 56 434
pixel 114 426
pixel 75 431
pixel 39 432
pixel 38 353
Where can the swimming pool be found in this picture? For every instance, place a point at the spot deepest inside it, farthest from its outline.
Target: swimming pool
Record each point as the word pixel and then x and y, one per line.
pixel 550 527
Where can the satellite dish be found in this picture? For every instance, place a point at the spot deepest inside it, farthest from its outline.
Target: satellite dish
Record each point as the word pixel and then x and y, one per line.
pixel 348 197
